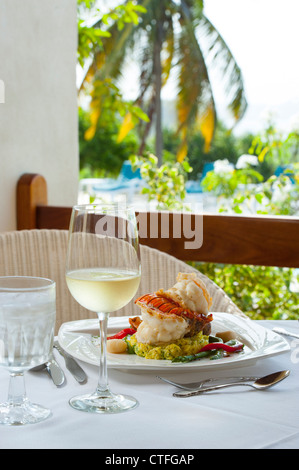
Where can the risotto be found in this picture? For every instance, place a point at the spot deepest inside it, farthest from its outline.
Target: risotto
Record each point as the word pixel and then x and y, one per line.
pixel 180 347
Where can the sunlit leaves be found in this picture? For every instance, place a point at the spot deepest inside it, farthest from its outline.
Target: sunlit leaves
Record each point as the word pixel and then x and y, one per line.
pixel 195 99
pixel 244 190
pixel 127 125
pixel 98 42
pixel 261 292
pixel 275 146
pixel 107 102
pixel 169 51
pixel 130 120
pixel 223 60
pixel 86 3
pixel 128 13
pixel 88 39
pixel 182 151
pixel 165 183
pixel 179 45
pixel 207 125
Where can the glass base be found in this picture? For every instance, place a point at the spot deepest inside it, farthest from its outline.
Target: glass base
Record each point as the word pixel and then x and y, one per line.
pixel 97 403
pixel 25 413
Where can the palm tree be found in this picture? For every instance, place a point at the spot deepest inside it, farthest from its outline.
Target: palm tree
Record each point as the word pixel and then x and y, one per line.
pixel 173 36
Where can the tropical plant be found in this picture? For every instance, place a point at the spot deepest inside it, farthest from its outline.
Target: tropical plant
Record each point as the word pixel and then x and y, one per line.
pixel 107 98
pixel 276 147
pixel 168 35
pixel 164 184
pixel 261 292
pixel 103 155
pixel 243 187
pixel 225 145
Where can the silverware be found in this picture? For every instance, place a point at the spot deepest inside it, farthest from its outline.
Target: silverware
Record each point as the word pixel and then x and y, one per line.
pixel 71 364
pixel 260 384
pixel 54 371
pixel 200 384
pixel 87 332
pixel 282 331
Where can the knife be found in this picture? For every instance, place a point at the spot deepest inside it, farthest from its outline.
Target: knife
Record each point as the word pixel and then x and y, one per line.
pixel 71 364
pixel 282 331
pixel 55 372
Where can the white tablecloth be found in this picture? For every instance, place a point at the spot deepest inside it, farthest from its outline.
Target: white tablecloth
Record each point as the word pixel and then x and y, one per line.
pixel 235 418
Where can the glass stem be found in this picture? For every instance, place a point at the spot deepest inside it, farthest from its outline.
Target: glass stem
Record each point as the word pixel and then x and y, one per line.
pixel 16 391
pixel 103 386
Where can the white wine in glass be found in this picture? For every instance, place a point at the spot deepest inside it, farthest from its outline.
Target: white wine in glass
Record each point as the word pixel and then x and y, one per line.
pixel 103 290
pixel 103 272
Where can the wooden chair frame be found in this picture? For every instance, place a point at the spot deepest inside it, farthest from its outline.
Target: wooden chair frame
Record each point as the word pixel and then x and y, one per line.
pixel 228 239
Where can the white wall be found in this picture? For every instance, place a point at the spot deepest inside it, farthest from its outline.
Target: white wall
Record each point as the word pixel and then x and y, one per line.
pixel 38 121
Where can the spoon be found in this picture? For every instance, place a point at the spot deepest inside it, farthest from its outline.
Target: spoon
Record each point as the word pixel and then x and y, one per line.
pixel 260 384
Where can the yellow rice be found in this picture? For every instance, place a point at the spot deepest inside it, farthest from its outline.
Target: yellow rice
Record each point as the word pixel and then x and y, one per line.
pixel 181 347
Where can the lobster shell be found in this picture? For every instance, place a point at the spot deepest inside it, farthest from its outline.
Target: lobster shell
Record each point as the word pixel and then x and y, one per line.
pixel 164 305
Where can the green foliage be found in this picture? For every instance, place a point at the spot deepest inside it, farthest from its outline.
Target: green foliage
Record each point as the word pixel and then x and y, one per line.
pixel 164 184
pixel 123 14
pixel 225 145
pixel 244 190
pixel 278 195
pixel 222 147
pixel 164 35
pixel 274 147
pixel 259 291
pixel 104 94
pixel 103 155
pixel 85 3
pixel 90 37
pixel 226 183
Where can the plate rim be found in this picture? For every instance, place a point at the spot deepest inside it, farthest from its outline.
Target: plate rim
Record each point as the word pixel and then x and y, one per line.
pixel 240 361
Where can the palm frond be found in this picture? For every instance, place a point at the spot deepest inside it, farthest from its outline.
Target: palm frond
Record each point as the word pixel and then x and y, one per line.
pixel 169 51
pixel 195 98
pixel 222 58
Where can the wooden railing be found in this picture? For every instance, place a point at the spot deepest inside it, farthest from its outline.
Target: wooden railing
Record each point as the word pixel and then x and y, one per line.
pixel 256 240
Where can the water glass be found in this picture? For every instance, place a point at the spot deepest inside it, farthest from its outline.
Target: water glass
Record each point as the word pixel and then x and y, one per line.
pixel 27 321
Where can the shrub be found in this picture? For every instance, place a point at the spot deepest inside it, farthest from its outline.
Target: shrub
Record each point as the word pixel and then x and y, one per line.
pixel 261 292
pixel 103 155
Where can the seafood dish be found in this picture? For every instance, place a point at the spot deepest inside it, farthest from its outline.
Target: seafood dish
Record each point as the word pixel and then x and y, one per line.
pixel 175 325
pixel 173 322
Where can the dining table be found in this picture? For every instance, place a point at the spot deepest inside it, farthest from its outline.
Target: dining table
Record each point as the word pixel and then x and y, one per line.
pixel 164 426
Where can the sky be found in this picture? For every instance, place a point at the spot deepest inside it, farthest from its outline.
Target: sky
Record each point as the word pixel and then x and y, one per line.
pixel 263 36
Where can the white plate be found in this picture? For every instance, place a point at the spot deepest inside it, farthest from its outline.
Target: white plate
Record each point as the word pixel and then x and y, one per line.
pixel 259 342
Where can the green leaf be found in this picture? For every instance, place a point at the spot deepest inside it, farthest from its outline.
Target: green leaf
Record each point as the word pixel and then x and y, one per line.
pixel 259 198
pixel 237 210
pixel 140 114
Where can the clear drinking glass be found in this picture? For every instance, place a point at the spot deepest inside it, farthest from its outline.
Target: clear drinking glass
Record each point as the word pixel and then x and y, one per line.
pixel 103 272
pixel 27 321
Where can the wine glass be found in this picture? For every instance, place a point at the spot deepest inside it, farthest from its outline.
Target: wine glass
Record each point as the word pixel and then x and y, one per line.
pixel 27 321
pixel 103 272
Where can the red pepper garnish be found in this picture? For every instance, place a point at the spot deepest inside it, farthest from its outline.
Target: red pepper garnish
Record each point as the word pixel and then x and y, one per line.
pixel 122 334
pixel 225 347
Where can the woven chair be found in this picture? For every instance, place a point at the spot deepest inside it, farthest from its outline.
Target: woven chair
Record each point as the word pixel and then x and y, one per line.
pixel 42 253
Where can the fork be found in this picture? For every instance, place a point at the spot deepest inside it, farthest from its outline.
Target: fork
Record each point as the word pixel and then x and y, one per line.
pixel 200 384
